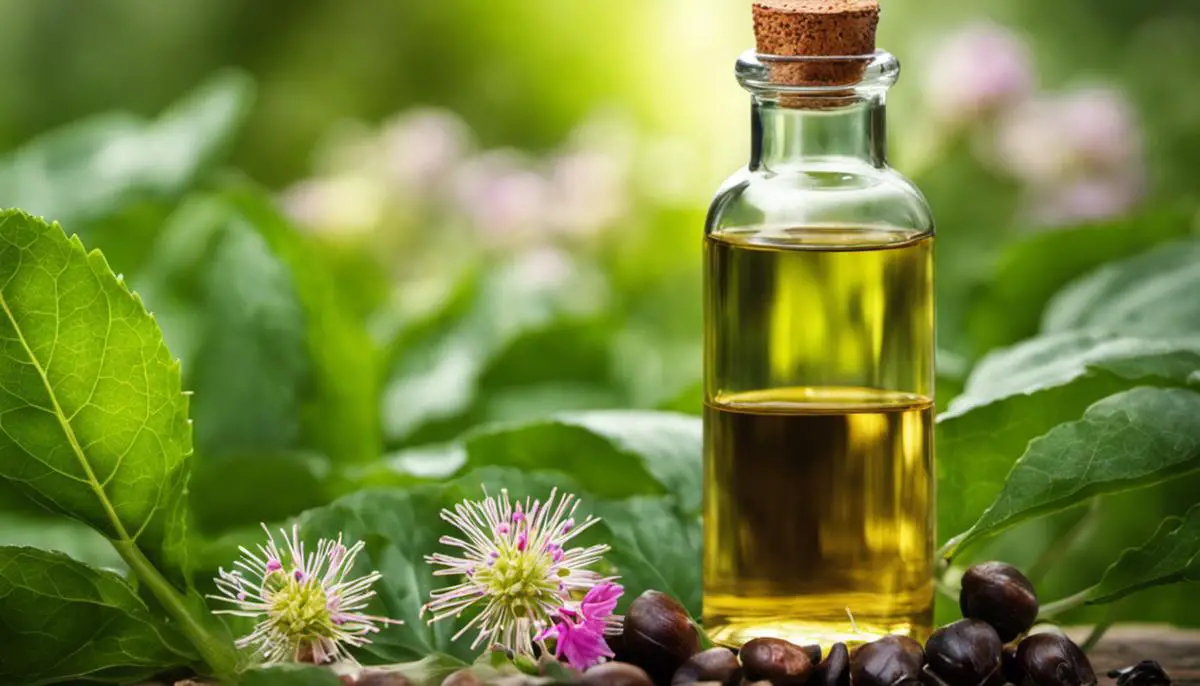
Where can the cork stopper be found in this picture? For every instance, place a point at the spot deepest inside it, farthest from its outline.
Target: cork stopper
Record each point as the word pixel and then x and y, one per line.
pixel 816 28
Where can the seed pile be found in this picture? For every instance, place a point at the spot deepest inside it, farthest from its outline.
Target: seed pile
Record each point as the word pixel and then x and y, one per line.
pixel 990 646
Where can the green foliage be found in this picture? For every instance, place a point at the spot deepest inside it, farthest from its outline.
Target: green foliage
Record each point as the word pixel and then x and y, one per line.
pixel 64 620
pixel 289 675
pixel 1131 439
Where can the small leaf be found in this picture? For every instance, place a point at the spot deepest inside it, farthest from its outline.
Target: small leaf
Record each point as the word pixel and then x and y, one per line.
pixel 62 620
pixel 1019 393
pixel 1152 294
pixel 95 425
pixel 1172 555
pixel 1132 439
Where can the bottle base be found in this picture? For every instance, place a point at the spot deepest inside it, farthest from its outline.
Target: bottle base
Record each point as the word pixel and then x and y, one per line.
pixel 806 627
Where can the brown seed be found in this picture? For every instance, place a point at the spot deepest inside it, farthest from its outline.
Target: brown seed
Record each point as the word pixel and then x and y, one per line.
pixel 381 678
pixel 965 652
pixel 1000 595
pixel 1053 660
pixel 776 660
pixel 890 661
pixel 463 677
pixel 715 664
pixel 659 635
pixel 616 674
pixel 835 670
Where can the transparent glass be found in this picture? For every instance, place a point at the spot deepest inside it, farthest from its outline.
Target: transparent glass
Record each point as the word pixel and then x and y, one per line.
pixel 819 321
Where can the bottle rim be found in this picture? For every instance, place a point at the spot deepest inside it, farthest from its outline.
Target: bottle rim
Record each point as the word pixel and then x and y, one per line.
pixel 880 71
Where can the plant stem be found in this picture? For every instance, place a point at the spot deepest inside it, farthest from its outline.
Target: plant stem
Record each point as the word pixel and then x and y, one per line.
pixel 220 655
pixel 1098 632
pixel 1067 604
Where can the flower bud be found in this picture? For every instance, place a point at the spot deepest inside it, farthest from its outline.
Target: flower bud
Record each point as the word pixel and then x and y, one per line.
pixel 659 636
pixel 1000 595
pixel 965 653
pixel 776 660
pixel 890 661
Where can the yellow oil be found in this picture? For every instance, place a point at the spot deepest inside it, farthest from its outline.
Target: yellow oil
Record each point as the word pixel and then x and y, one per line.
pixel 819 477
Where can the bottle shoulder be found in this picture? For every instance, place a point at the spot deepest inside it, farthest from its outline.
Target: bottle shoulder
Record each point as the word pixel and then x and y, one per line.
pixel 819 194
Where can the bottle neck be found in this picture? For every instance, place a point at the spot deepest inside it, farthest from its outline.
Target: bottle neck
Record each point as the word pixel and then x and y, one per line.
pixel 795 135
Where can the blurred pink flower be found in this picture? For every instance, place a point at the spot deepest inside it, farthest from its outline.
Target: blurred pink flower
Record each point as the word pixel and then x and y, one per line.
pixel 979 70
pixel 590 191
pixel 1081 152
pixel 502 196
pixel 1061 135
pixel 339 204
pixel 421 147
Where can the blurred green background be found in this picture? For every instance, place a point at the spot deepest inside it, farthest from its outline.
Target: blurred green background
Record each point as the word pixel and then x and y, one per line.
pixel 368 226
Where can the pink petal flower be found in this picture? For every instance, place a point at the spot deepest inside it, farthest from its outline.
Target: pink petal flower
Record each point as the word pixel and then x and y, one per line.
pixel 582 645
pixel 600 601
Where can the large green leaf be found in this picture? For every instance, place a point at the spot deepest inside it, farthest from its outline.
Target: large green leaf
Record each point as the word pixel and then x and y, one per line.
pixel 1152 294
pixel 611 454
pixel 95 425
pixel 655 546
pixel 274 360
pixel 1131 439
pixel 1020 393
pixel 93 167
pixel 63 620
pixel 1170 556
pixel 1031 270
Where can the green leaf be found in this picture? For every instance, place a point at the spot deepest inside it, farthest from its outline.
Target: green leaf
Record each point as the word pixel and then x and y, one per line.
pixel 1031 270
pixel 227 491
pixel 1172 555
pixel 1152 294
pixel 63 620
pixel 94 423
pixel 1020 393
pixel 290 675
pixel 534 319
pixel 611 454
pixel 1132 439
pixel 274 360
pixel 655 546
pixel 93 167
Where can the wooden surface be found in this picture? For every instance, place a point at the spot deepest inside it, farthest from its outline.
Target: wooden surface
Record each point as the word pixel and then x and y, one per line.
pixel 1177 651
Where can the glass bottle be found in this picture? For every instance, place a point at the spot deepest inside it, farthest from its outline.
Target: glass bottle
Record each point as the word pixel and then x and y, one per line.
pixel 819 371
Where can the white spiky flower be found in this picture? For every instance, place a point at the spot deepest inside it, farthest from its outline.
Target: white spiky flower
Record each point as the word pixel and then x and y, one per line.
pixel 515 563
pixel 309 609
